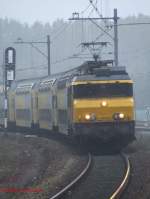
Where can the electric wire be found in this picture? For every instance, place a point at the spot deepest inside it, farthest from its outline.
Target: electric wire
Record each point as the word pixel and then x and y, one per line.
pixel 82 12
pixel 33 67
pixel 102 29
pixel 134 24
pixel 61 31
pixel 35 47
pixel 95 8
pixel 65 26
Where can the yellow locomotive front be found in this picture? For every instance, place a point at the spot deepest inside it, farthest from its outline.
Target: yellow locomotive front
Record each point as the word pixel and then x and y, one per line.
pixel 103 107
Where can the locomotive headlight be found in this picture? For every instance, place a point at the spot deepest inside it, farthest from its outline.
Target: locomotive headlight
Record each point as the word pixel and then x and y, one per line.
pixel 75 102
pixel 104 103
pixel 115 116
pixel 91 117
pixel 121 115
pixel 87 117
pixel 118 116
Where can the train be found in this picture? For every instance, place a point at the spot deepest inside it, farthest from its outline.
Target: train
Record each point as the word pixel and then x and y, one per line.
pixel 94 100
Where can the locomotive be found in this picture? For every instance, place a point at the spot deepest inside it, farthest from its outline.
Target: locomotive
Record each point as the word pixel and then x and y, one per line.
pixel 94 100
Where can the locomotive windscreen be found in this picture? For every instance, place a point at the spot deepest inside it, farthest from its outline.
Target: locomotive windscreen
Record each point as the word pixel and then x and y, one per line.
pixel 103 90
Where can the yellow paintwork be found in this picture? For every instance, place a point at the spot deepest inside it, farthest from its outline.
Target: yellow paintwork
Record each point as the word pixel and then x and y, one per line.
pixel 20 104
pixel 62 99
pixel 44 102
pixel 11 106
pixel 45 125
pixel 62 105
pixel 34 107
pixel 81 107
pixel 102 82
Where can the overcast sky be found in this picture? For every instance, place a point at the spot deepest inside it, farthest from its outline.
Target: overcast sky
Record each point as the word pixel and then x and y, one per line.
pixel 49 10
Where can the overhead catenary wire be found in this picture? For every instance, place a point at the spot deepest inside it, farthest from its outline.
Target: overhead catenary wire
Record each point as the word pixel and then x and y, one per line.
pixel 137 51
pixel 123 24
pixel 69 57
pixel 102 29
pixel 100 14
pixel 75 55
pixel 95 8
pixel 126 24
pixel 39 50
pixel 86 9
pixel 32 68
pixel 101 2
pixel 91 12
pixel 101 34
pixel 65 26
pixel 134 24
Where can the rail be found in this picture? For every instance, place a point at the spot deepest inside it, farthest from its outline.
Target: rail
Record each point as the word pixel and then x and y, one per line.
pixel 142 125
pixel 75 181
pixel 124 183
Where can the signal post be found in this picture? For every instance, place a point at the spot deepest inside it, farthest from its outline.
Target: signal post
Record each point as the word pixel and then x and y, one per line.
pixel 9 75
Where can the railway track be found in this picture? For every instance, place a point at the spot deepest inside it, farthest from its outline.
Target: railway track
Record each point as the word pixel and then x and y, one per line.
pixel 104 180
pixel 113 188
pixel 143 126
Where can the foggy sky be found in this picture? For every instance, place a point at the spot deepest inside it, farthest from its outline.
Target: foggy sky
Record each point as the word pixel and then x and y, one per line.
pixel 49 10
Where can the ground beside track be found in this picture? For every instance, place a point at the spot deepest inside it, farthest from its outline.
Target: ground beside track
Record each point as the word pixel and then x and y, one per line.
pixel 139 155
pixel 39 163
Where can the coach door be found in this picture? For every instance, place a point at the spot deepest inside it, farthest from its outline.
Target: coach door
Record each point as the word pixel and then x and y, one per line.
pixel 62 106
pixel 69 106
pixel 54 104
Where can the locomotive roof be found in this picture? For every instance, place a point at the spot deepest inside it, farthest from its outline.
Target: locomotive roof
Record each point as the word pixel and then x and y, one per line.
pixel 101 78
pixel 88 71
pixel 101 71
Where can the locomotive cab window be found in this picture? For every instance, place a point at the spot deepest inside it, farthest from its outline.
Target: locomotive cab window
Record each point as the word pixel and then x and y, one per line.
pixel 103 90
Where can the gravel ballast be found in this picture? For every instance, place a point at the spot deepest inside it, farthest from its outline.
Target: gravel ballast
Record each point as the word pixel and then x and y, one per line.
pixel 35 163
